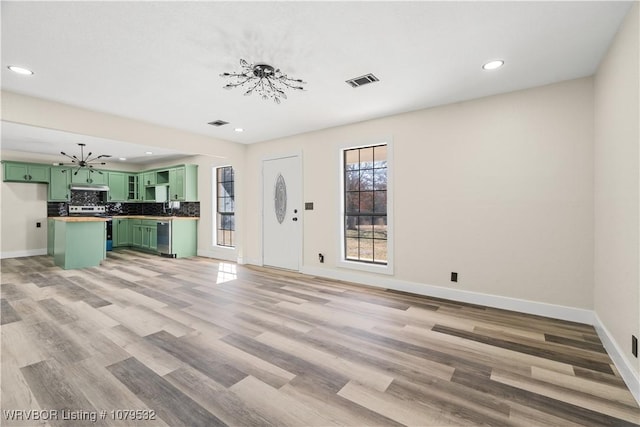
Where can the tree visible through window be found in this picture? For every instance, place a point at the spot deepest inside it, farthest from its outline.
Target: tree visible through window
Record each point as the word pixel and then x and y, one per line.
pixel 365 204
pixel 225 206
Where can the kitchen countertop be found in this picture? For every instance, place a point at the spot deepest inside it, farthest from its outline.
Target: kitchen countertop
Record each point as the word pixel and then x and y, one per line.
pixel 161 218
pixel 78 218
pixel 94 218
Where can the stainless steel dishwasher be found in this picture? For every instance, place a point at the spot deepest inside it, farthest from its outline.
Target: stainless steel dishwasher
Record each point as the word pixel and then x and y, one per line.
pixel 164 239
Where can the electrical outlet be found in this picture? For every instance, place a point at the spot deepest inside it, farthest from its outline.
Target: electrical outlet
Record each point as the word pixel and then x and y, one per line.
pixel 634 345
pixel 454 276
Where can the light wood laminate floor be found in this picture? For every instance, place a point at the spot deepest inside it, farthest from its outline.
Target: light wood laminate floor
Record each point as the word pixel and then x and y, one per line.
pixel 198 342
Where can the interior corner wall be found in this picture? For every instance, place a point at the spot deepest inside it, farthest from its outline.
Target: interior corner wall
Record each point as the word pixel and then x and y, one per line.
pixel 617 190
pixel 22 206
pixel 498 189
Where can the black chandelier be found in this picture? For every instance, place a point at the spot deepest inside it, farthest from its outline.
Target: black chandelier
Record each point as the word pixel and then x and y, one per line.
pixel 267 81
pixel 84 162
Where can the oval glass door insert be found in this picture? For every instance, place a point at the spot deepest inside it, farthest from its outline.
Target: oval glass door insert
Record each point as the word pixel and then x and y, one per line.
pixel 280 198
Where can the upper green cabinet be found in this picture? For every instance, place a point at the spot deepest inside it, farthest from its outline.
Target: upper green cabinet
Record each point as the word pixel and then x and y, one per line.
pixel 118 186
pixel 26 172
pixel 85 176
pixel 179 182
pixel 59 184
pixel 183 183
pixel 133 188
pixel 176 183
pixel 148 178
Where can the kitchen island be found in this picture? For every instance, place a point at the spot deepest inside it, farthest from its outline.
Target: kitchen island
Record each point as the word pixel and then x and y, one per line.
pixel 79 242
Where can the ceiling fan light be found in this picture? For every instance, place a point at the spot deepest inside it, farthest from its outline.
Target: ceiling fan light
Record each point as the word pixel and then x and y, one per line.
pixel 269 82
pixel 83 161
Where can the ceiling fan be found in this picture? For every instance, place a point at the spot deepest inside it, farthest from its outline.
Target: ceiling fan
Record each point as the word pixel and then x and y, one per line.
pixel 84 162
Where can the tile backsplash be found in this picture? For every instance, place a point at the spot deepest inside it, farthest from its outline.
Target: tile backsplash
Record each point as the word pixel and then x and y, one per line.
pixel 87 198
pixel 114 209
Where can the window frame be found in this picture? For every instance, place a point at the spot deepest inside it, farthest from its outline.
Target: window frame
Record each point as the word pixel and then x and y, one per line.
pixel 216 198
pixel 368 266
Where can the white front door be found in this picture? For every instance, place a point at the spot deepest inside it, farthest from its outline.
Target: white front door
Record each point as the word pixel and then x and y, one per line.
pixel 282 212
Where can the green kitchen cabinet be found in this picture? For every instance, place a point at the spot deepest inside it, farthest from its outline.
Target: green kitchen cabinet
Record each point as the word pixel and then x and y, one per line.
pixel 133 187
pixel 145 240
pixel 150 241
pixel 59 184
pixel 141 187
pixel 26 172
pixel 176 183
pixel 148 178
pixel 184 237
pixel 118 186
pixel 121 229
pixel 79 244
pixel 85 176
pixel 183 183
pixel 144 235
pixel 51 228
pixel 135 229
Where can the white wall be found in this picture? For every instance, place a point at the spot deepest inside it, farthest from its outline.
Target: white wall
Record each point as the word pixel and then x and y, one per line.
pixel 498 189
pixel 617 191
pixel 23 205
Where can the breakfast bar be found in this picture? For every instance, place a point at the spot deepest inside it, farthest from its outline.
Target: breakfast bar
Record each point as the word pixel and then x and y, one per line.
pixel 79 242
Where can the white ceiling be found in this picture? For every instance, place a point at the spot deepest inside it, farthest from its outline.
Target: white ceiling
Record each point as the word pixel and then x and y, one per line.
pixel 19 137
pixel 160 61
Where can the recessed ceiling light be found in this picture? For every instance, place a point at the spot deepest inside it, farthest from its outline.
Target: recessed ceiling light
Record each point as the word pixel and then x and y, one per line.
pixel 20 70
pixel 239 130
pixel 123 158
pixel 492 65
pixel 148 152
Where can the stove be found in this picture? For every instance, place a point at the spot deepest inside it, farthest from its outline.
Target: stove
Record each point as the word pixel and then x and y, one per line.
pixel 87 210
pixel 99 211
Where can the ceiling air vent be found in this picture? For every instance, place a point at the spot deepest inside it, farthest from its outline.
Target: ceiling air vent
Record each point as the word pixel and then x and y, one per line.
pixel 362 80
pixel 218 123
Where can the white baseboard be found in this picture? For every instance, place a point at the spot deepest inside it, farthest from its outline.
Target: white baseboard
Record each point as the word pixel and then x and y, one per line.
pixel 223 254
pixel 20 254
pixel 623 364
pixel 506 303
pixel 554 311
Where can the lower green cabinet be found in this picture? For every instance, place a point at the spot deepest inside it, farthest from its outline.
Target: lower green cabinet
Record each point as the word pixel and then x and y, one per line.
pixel 79 244
pixel 144 234
pixel 184 237
pixel 51 233
pixel 121 232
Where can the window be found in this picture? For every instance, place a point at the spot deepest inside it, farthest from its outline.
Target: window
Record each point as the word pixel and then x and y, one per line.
pixel 365 204
pixel 225 207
